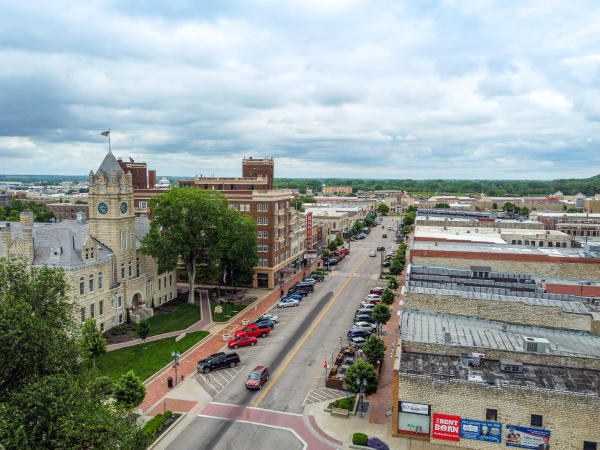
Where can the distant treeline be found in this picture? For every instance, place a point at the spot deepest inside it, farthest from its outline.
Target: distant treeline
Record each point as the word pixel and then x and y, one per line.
pixel 495 188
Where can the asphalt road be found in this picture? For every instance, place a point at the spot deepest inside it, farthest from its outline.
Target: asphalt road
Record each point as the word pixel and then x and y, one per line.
pixel 304 339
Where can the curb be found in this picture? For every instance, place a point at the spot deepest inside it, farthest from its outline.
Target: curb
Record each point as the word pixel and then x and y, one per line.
pixel 359 446
pixel 183 355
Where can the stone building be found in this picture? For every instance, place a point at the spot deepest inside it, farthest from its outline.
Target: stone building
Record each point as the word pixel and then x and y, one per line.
pixel 106 271
pixel 328 190
pixel 476 383
pixel 67 211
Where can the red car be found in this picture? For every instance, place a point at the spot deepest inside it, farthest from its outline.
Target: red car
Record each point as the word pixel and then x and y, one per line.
pixel 254 330
pixel 377 291
pixel 242 341
pixel 343 251
pixel 257 378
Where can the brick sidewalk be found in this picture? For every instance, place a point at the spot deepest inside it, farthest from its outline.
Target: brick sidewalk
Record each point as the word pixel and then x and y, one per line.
pixel 381 400
pixel 157 388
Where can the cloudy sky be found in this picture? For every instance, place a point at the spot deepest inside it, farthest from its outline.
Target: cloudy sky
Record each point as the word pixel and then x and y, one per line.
pixel 415 89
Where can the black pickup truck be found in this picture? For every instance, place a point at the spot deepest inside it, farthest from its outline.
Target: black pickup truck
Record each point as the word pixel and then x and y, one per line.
pixel 218 361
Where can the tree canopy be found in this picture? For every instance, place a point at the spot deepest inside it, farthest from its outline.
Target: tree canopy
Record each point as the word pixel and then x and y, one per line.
pixel 374 348
pixel 92 341
pixel 383 208
pixel 361 370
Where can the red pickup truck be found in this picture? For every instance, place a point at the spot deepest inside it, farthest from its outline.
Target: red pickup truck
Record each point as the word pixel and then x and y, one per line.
pixel 254 330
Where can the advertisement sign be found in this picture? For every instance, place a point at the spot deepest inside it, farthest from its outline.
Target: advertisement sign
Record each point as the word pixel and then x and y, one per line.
pixel 414 408
pixel 446 427
pixel 309 231
pixel 524 437
pixel 481 430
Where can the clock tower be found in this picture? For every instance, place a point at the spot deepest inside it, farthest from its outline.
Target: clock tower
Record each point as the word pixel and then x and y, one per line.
pixel 112 218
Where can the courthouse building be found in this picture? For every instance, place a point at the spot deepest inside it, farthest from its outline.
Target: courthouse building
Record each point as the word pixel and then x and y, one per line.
pixel 104 267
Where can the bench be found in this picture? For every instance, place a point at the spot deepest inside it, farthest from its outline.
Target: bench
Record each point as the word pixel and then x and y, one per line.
pixel 340 412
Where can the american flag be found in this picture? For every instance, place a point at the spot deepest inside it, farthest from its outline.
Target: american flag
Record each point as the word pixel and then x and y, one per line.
pixel 105 133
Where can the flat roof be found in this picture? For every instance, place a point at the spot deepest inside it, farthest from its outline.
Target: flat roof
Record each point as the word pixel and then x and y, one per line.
pixel 429 328
pixel 471 219
pixel 496 248
pixel 446 367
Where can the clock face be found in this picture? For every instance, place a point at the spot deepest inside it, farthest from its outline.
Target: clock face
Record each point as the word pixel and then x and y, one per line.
pixel 123 207
pixel 102 208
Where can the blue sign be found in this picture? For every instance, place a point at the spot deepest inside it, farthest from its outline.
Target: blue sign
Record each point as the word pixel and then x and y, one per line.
pixel 481 430
pixel 524 437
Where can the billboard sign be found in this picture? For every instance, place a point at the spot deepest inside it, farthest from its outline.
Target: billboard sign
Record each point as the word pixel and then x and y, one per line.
pixel 524 437
pixel 446 427
pixel 309 231
pixel 414 408
pixel 481 430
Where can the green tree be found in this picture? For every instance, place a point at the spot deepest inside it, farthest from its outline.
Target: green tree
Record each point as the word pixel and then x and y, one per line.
pixel 396 267
pixel 410 209
pixel 409 218
pixel 92 341
pixel 442 205
pixel 387 297
pixel 406 229
pixel 332 246
pixel 383 208
pixel 374 348
pixel 185 225
pixel 143 330
pixel 393 283
pixel 129 391
pixel 361 370
pixel 369 220
pixel 238 249
pixel 381 315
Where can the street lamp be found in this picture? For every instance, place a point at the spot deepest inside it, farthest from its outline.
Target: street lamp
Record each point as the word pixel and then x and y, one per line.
pixel 175 356
pixel 381 266
pixel 362 384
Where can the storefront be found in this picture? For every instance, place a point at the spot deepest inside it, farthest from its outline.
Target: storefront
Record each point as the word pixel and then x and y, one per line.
pixel 414 420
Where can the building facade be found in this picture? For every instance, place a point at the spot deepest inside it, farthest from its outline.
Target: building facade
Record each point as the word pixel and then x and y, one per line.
pixel 328 190
pixel 106 272
pixel 67 211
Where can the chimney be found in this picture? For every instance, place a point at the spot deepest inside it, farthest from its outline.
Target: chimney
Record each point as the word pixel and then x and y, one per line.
pixel 26 219
pixel 151 178
pixel 6 238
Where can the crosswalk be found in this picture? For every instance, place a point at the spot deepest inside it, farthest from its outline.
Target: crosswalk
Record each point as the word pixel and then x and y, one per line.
pixel 322 394
pixel 217 380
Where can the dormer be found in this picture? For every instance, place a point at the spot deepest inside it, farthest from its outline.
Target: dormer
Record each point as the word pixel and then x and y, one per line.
pixel 89 250
pixel 55 253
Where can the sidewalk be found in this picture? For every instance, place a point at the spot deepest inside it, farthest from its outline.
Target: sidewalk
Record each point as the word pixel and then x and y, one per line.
pixel 381 400
pixel 197 326
pixel 157 388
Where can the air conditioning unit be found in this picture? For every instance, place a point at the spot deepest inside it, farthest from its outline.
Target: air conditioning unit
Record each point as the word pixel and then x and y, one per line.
pixel 536 345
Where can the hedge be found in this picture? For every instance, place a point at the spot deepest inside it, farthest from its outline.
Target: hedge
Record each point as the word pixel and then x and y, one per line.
pixel 344 403
pixel 360 439
pixel 155 424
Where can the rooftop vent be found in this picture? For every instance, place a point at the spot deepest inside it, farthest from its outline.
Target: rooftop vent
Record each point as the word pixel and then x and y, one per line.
pixel 536 345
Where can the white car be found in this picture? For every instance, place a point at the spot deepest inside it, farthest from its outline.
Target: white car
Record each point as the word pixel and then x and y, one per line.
pixel 367 305
pixel 364 326
pixel 372 254
pixel 288 303
pixel 373 297
pixel 273 317
pixel 358 341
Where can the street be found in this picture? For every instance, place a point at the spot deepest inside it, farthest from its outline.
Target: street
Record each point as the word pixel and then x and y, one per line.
pixel 305 339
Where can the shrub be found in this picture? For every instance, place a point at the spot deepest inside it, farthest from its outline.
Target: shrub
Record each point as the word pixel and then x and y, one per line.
pixel 377 443
pixel 155 424
pixel 360 439
pixel 343 403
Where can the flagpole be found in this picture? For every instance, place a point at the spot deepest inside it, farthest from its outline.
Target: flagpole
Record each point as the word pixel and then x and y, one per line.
pixel 109 149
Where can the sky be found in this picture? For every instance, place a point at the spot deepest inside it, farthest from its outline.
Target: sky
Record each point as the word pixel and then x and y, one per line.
pixel 329 88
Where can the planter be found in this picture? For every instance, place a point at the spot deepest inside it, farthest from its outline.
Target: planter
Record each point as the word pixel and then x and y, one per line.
pixel 334 383
pixel 226 337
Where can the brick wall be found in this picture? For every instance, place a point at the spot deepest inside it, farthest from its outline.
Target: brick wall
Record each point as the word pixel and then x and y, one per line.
pixel 570 418
pixel 511 312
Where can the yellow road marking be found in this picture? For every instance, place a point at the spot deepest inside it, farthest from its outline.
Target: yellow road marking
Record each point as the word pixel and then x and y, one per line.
pixel 309 332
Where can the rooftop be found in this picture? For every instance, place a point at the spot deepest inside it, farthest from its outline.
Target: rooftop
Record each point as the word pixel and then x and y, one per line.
pixel 431 328
pixel 505 249
pixel 456 368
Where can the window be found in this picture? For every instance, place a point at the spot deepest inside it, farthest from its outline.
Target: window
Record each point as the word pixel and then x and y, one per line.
pixel 122 270
pixel 262 207
pixel 541 244
pixel 165 281
pixel 92 311
pixel 550 244
pixel 81 286
pixel 143 205
pixel 101 307
pixel 83 314
pixel 536 420
pixel 171 280
pixel 234 187
pixel 130 272
pixel 102 327
pixel 119 301
pixel 159 284
pixel 120 319
pixel 92 253
pixel 87 254
pixel 263 248
pixel 137 267
pixel 491 415
pixel 91 282
pixel 160 300
pixel 589 445
pixel 99 280
pixel 171 296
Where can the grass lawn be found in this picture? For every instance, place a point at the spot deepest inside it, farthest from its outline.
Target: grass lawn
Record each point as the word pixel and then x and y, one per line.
pixel 144 359
pixel 184 316
pixel 228 312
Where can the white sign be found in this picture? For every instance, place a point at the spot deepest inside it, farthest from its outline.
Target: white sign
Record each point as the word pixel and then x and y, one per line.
pixel 414 408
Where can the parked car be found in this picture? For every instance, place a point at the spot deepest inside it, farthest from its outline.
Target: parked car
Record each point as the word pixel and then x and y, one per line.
pixel 343 251
pixel 307 280
pixel 370 303
pixel 296 296
pixel 372 254
pixel 264 322
pixel 366 305
pixel 362 318
pixel 384 235
pixel 364 326
pixel 218 361
pixel 254 330
pixel 317 277
pixel 364 311
pixel 332 261
pixel 242 341
pixel 257 378
pixel 298 291
pixel 358 333
pixel 381 248
pixel 372 297
pixel 272 317
pixel 357 341
pixel 377 290
pixel 386 264
pixel 288 303
pixel 365 319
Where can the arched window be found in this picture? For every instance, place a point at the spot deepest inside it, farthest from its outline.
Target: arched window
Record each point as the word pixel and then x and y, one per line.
pixel 91 282
pixel 81 286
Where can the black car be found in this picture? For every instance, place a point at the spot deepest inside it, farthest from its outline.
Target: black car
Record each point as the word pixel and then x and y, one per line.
pixel 332 261
pixel 358 333
pixel 298 290
pixel 317 277
pixel 263 322
pixel 386 263
pixel 309 287
pixel 381 248
pixel 363 317
pixel 218 361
